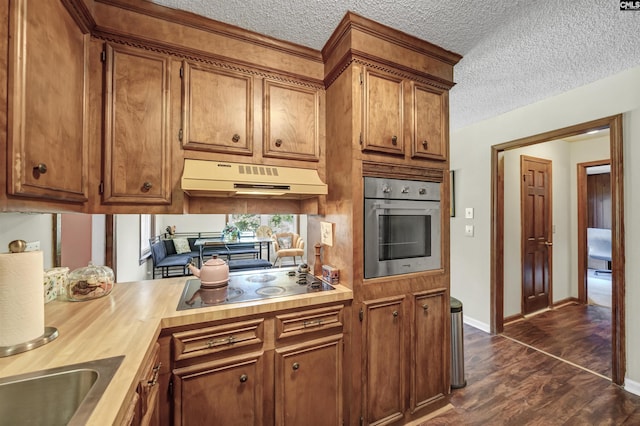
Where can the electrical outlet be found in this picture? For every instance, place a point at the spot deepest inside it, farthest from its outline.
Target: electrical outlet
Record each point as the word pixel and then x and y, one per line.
pixel 468 213
pixel 32 246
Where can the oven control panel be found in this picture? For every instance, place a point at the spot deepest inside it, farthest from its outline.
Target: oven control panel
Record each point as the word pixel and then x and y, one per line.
pixel 399 189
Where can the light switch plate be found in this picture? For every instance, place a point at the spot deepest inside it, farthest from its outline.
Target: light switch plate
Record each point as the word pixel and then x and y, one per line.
pixel 468 213
pixel 468 230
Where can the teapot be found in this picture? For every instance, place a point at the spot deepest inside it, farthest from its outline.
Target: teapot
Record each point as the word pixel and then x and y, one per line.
pixel 213 273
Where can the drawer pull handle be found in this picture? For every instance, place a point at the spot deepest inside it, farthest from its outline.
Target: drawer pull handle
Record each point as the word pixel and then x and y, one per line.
pixel 146 186
pixel 156 373
pixel 244 378
pixel 278 143
pixel 425 144
pixel 425 307
pixel 395 314
pixel 314 323
pixel 295 366
pixel 216 342
pixel 236 138
pixel 394 140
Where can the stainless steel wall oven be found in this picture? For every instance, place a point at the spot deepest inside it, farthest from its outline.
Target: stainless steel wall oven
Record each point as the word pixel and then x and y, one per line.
pixel 401 226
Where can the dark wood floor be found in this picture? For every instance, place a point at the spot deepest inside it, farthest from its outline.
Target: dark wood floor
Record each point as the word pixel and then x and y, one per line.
pixel 577 333
pixel 509 383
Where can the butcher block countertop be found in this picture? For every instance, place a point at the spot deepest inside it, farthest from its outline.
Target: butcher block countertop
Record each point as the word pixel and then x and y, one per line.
pixel 127 322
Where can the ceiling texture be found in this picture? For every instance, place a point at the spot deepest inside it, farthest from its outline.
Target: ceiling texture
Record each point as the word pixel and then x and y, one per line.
pixel 514 52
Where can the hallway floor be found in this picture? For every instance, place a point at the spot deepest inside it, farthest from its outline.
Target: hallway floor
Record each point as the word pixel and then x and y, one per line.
pixel 509 383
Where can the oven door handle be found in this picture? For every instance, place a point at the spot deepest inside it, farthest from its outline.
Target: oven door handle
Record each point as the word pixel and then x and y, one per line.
pixel 381 206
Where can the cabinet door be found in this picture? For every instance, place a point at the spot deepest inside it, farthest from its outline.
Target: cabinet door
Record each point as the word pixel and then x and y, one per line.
pixel 430 124
pixel 47 138
pixel 137 163
pixel 429 349
pixel 291 121
pixel 309 383
pixel 217 110
pixel 384 351
pixel 226 392
pixel 383 112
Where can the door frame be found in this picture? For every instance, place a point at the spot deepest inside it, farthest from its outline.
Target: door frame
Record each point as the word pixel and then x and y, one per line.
pixel 549 224
pixel 583 255
pixel 614 123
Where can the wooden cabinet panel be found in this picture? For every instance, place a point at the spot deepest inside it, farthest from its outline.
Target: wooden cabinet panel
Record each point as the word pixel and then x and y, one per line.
pixel 291 121
pixel 384 352
pixel 309 383
pixel 429 131
pixel 428 381
pixel 383 112
pixel 217 110
pixel 226 392
pixel 137 158
pixel 47 138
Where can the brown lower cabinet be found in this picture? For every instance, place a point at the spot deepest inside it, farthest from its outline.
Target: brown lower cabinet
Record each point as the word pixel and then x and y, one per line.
pixel 281 369
pixel 403 378
pixel 144 408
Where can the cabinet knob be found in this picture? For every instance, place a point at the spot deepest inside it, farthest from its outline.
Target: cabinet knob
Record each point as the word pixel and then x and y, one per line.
pixel 295 366
pixel 278 143
pixel 425 307
pixel 40 169
pixel 425 144
pixel 236 138
pixel 394 140
pixel 244 378
pixel 146 186
pixel 395 314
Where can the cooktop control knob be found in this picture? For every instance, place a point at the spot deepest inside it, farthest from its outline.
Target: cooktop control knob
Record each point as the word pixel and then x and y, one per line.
pixel 422 191
pixel 386 189
pixel 405 189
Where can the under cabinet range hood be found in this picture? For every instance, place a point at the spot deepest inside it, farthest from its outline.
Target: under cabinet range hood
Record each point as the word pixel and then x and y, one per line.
pixel 202 178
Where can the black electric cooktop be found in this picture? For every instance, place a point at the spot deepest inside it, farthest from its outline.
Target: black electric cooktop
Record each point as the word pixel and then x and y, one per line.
pixel 256 285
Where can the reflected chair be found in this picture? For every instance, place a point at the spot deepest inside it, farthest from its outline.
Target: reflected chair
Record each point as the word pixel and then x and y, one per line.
pixel 287 244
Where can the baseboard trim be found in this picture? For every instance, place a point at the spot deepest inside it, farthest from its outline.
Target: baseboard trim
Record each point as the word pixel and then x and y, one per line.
pixel 563 302
pixel 631 386
pixel 477 324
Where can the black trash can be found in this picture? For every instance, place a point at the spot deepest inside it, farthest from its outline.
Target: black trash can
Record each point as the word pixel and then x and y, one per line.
pixel 457 345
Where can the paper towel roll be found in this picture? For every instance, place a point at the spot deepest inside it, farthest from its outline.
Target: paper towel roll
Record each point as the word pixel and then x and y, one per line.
pixel 21 297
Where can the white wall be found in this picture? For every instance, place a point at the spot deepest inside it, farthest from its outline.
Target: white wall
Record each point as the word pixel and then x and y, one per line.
pixel 127 245
pixel 29 227
pixel 471 159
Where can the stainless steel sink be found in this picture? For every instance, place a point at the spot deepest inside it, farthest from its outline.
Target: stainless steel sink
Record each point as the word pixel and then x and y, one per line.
pixel 58 396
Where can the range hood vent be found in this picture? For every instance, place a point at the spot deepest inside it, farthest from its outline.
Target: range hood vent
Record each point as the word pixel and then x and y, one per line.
pixel 203 178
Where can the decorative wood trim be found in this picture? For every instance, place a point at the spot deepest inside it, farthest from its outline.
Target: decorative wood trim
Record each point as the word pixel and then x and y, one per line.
pixel 80 14
pixel 513 318
pixel 401 171
pixel 374 62
pixel 403 40
pixel 196 55
pixel 618 325
pixel 563 302
pixel 215 27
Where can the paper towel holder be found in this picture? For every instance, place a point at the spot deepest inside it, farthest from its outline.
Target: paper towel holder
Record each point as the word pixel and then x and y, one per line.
pixel 50 333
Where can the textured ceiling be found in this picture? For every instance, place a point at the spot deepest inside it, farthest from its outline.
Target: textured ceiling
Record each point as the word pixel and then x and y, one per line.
pixel 514 52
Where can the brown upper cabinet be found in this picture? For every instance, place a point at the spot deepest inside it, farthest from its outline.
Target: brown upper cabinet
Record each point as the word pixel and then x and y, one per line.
pixel 398 112
pixel 47 114
pixel 137 157
pixel 291 121
pixel 217 107
pixel 429 130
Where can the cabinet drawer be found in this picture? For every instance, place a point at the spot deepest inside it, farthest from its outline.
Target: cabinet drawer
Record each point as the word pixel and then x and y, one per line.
pixel 311 321
pixel 204 341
